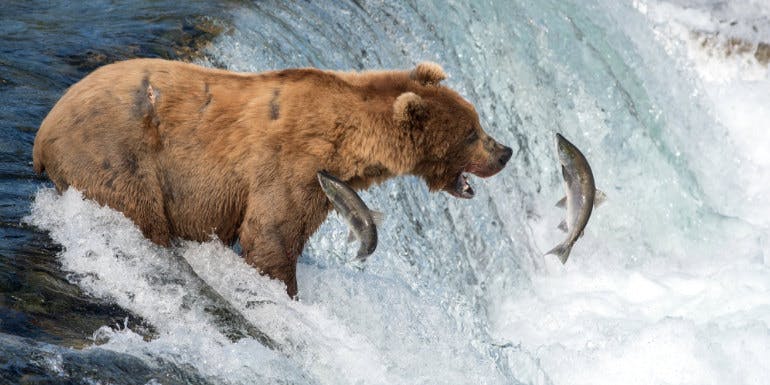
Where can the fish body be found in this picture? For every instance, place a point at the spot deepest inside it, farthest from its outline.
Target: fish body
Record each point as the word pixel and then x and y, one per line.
pixel 351 207
pixel 580 194
pixel 599 198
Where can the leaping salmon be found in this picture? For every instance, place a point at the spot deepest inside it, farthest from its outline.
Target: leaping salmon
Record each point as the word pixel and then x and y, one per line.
pixel 581 195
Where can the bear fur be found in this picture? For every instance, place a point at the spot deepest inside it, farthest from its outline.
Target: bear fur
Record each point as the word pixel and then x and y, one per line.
pixel 186 151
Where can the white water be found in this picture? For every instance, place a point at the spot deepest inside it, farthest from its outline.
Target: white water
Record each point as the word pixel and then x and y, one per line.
pixel 669 285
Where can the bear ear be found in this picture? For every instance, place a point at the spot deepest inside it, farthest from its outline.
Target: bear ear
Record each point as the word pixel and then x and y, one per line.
pixel 428 73
pixel 409 109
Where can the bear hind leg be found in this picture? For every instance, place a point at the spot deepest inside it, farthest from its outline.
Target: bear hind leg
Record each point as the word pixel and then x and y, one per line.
pixel 138 195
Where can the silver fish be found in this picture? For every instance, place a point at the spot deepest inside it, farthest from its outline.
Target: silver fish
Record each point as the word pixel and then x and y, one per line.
pixel 362 221
pixel 581 194
pixel 599 198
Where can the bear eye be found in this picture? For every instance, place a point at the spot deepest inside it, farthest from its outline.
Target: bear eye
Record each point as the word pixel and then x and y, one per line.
pixel 471 137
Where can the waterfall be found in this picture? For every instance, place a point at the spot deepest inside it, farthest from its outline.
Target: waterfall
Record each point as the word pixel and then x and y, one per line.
pixel 669 285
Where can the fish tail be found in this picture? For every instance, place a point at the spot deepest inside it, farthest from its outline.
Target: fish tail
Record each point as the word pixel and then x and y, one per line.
pixel 365 250
pixel 562 251
pixel 362 255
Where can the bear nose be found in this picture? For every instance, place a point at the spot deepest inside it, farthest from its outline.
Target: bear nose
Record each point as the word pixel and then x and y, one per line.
pixel 506 155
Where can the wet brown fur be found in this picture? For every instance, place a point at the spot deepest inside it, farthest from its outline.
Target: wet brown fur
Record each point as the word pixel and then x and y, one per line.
pixel 187 152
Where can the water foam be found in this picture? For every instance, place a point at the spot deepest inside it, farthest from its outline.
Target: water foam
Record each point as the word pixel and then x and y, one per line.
pixel 348 327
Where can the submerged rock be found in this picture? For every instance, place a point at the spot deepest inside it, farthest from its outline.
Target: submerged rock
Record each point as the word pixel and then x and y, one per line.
pixel 26 361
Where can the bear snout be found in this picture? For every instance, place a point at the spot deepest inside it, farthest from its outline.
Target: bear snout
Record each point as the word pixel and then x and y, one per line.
pixel 491 160
pixel 505 156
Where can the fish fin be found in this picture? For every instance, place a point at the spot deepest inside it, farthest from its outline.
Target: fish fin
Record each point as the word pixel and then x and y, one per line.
pixel 599 198
pixel 581 234
pixel 351 236
pixel 377 217
pixel 563 226
pixel 568 179
pixel 562 202
pixel 562 251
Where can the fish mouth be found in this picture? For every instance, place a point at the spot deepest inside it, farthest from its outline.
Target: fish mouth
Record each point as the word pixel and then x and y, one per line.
pixel 460 188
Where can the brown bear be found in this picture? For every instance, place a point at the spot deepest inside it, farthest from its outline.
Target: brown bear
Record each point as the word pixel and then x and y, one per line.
pixel 190 152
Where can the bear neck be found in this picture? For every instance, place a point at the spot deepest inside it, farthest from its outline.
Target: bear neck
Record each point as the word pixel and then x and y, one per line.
pixel 344 124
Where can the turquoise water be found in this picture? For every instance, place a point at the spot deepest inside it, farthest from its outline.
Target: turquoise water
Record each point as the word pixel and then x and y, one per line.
pixel 669 285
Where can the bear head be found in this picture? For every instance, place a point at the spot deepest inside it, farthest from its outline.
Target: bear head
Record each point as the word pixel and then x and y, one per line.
pixel 446 134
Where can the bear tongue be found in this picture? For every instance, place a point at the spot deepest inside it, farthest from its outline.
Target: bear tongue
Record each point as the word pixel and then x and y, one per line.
pixel 461 188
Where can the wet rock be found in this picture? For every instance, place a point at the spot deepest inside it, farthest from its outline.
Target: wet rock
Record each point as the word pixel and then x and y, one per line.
pixel 187 42
pixel 716 43
pixel 26 361
pixel 762 54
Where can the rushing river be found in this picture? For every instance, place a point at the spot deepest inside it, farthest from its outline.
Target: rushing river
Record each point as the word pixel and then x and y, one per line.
pixel 668 99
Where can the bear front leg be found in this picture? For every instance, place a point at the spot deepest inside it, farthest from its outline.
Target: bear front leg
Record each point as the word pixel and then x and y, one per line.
pixel 265 247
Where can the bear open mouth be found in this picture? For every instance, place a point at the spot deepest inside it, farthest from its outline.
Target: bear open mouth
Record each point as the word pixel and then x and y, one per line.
pixel 460 187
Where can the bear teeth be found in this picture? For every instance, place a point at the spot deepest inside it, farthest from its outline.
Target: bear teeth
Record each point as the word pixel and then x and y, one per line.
pixel 466 186
pixel 460 187
pixel 465 190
